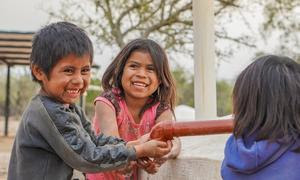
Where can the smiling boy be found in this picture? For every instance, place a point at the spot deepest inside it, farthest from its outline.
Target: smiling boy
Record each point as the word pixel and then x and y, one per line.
pixel 68 80
pixel 54 136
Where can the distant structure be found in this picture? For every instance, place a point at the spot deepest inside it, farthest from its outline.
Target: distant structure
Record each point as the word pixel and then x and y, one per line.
pixel 15 49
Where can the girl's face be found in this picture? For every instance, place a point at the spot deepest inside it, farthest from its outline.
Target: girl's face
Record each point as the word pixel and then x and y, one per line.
pixel 68 79
pixel 139 79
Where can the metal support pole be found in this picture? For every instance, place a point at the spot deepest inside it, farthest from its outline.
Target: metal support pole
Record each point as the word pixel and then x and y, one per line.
pixel 169 129
pixel 7 100
pixel 204 60
pixel 82 101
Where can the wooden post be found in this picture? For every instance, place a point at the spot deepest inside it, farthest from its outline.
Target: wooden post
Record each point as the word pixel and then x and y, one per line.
pixel 7 100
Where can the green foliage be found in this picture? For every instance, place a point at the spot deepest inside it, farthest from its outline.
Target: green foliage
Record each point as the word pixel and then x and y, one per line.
pixel 185 91
pixel 184 86
pixel 94 91
pixel 224 101
pixel 2 89
pixel 22 88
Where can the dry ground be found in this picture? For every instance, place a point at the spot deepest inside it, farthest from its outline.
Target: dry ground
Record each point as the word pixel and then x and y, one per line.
pixel 6 145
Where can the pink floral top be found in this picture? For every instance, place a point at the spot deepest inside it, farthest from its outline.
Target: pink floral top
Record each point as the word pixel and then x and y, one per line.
pixel 128 129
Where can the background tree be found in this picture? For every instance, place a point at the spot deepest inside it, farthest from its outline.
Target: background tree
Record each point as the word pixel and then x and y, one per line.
pixel 93 91
pixel 22 88
pixel 115 22
pixel 224 103
pixel 112 23
pixel 283 22
pixel 185 94
pixel 185 82
pixel 2 89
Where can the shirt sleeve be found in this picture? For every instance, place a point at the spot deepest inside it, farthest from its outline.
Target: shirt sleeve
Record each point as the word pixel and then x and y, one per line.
pixel 106 101
pixel 79 148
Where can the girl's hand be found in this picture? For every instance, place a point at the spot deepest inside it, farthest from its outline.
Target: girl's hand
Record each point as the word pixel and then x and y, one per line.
pixel 144 138
pixel 176 146
pixel 152 169
pixel 148 165
pixel 141 140
pixel 144 162
pixel 128 169
pixel 160 161
pixel 153 148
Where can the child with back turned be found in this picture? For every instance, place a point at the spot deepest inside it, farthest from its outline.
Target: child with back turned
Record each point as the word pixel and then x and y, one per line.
pixel 54 136
pixel 266 139
pixel 139 92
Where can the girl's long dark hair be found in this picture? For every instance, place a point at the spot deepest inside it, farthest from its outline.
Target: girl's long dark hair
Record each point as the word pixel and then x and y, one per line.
pixel 266 99
pixel 165 94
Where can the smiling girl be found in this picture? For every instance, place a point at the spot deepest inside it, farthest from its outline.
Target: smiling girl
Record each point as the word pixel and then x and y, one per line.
pixel 139 92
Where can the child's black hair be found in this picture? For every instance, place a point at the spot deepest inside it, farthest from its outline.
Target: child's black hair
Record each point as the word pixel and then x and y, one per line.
pixel 166 92
pixel 55 41
pixel 266 100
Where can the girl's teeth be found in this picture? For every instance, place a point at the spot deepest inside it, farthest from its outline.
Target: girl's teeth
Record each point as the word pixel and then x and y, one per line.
pixel 140 84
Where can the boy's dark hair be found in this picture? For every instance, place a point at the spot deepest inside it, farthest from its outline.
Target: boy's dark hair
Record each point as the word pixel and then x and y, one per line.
pixel 266 100
pixel 55 41
pixel 165 93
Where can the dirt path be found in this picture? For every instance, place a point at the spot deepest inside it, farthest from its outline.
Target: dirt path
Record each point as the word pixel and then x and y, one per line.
pixel 6 143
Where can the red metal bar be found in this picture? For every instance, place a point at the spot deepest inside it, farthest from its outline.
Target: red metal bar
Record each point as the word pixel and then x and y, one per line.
pixel 169 129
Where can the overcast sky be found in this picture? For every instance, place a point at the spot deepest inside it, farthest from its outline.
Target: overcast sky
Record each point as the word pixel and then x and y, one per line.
pixel 21 15
pixel 26 15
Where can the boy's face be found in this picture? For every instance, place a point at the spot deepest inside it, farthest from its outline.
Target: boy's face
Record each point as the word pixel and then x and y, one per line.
pixel 68 79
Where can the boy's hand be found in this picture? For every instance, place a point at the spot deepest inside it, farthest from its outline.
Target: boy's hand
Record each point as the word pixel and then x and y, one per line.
pixel 153 148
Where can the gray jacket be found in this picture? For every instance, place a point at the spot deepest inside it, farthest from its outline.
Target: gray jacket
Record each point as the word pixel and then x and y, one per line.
pixel 52 140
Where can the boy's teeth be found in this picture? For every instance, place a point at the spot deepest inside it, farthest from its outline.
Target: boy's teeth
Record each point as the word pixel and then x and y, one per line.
pixel 73 91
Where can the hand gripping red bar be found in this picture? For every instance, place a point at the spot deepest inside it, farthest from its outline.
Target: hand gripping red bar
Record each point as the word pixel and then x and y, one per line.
pixel 169 129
